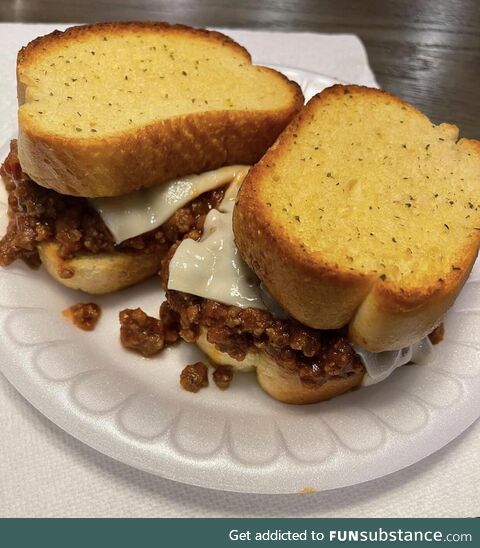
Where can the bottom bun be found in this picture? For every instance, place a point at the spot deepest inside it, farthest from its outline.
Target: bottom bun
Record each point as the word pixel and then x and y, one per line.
pixel 98 273
pixel 283 385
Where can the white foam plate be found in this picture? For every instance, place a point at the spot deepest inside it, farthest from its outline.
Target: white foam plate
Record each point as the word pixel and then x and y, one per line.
pixel 134 410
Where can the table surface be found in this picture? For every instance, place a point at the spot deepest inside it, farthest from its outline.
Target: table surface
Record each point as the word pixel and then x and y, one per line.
pixel 427 51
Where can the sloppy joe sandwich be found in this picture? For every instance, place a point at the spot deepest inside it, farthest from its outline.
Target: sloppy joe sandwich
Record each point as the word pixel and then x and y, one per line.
pixel 351 238
pixel 126 133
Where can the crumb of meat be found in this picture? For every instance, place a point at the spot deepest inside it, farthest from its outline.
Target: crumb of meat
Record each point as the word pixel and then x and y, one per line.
pixel 171 323
pixel 194 377
pixel 141 333
pixel 83 315
pixel 436 336
pixel 223 376
pixel 66 272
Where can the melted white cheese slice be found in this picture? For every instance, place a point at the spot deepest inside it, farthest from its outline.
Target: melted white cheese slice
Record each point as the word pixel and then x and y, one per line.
pixel 381 365
pixel 144 210
pixel 212 267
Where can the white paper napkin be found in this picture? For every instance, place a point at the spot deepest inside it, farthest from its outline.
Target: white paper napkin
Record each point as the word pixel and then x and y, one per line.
pixel 46 473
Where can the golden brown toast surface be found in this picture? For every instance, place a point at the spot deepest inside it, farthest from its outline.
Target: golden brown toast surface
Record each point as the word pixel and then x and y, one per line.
pixel 108 108
pixel 363 212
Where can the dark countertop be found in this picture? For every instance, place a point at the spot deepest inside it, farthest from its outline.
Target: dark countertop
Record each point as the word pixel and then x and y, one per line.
pixel 426 51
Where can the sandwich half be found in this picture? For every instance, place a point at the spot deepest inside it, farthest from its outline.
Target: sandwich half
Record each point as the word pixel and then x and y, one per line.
pixel 117 121
pixel 351 239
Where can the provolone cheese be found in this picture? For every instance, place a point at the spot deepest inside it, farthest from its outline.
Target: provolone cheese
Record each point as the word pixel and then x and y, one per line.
pixel 212 267
pixel 381 365
pixel 144 210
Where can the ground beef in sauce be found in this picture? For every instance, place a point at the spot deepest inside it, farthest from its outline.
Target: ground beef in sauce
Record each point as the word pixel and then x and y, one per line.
pixel 222 376
pixel 84 315
pixel 38 214
pixel 143 333
pixel 436 336
pixel 194 377
pixel 316 356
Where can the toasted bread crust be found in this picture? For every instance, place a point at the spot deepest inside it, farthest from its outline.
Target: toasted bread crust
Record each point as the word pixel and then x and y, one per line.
pixel 100 273
pixel 57 36
pixel 162 152
pixel 277 382
pixel 389 318
pixel 381 315
pixel 153 154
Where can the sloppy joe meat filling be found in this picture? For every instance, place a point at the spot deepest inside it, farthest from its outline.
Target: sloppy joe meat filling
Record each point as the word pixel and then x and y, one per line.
pixel 38 214
pixel 316 356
